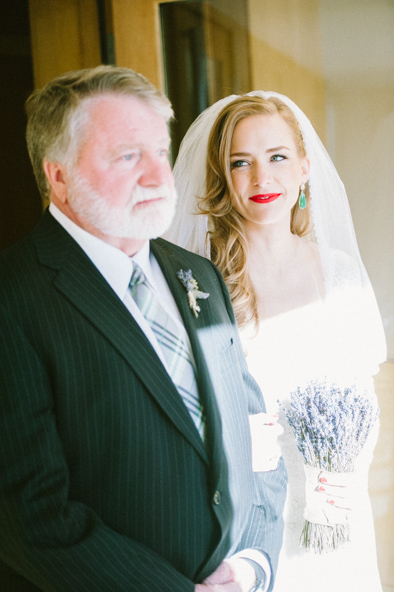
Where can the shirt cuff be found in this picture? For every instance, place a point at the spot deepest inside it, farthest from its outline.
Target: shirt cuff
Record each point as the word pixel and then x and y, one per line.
pixel 261 563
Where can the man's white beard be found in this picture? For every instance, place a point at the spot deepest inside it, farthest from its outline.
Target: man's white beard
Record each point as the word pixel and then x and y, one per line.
pixel 149 221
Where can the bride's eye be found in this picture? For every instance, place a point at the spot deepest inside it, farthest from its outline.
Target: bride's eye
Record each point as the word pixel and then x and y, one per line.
pixel 238 164
pixel 278 157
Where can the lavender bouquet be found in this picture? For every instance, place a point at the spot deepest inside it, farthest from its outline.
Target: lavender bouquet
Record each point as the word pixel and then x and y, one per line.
pixel 330 426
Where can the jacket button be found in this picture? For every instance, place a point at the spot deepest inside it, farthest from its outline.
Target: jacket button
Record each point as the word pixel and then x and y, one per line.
pixel 216 498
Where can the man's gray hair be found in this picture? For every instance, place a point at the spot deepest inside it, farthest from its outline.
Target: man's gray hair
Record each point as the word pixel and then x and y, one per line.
pixel 56 114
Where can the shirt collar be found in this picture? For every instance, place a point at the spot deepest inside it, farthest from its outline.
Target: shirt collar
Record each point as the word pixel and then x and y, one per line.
pixel 114 265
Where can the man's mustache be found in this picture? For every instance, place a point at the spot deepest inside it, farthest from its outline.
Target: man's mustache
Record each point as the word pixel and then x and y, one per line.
pixel 141 194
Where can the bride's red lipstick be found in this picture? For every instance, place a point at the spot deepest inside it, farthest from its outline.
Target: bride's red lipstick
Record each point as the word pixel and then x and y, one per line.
pixel 265 198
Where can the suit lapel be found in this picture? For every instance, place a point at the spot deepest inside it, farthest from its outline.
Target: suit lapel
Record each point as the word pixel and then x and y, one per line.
pixel 170 263
pixel 83 285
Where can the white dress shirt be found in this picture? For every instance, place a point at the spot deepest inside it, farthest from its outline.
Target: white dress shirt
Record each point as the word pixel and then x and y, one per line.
pixel 116 267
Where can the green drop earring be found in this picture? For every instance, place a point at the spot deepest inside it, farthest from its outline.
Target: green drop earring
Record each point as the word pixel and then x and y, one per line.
pixel 302 198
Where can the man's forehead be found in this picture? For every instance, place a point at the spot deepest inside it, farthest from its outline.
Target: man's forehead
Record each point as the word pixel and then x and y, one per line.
pixel 124 115
pixel 118 102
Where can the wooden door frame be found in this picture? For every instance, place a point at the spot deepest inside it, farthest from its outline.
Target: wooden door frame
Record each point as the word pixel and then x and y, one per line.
pixel 141 50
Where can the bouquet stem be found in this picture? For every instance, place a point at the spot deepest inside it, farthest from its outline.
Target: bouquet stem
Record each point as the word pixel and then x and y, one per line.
pixel 323 538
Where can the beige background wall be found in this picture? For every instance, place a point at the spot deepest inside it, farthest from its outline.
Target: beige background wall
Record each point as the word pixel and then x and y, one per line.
pixel 64 36
pixel 381 477
pixel 286 54
pixel 358 39
pixel 358 65
pixel 335 59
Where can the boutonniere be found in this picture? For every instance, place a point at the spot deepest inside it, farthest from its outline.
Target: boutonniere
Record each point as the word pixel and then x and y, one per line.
pixel 189 283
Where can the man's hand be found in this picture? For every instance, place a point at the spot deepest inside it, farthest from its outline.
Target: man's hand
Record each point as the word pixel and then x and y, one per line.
pixel 265 430
pixel 232 575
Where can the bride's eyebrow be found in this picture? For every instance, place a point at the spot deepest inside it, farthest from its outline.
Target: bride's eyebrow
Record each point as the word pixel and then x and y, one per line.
pixel 277 148
pixel 268 151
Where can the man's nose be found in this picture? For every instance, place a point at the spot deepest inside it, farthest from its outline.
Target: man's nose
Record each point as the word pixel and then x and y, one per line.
pixel 156 170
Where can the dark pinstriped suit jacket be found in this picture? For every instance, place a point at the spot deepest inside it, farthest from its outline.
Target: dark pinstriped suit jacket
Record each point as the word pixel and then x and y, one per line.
pixel 105 484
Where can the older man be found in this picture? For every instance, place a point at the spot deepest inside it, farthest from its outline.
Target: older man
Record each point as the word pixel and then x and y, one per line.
pixel 125 459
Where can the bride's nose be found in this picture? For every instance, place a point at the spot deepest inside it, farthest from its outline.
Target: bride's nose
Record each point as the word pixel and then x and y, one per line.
pixel 261 174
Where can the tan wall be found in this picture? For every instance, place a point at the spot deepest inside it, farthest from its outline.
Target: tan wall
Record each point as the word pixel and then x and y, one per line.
pixel 286 54
pixel 363 149
pixel 381 477
pixel 364 156
pixel 64 36
pixel 136 26
pixel 137 37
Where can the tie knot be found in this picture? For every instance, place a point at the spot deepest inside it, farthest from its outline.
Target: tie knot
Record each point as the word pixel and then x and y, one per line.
pixel 137 277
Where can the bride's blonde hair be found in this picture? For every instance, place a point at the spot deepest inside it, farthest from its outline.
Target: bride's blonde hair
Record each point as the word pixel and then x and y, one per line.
pixel 229 247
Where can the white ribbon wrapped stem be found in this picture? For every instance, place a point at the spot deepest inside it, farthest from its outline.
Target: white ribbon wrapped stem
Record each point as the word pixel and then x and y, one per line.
pixel 328 501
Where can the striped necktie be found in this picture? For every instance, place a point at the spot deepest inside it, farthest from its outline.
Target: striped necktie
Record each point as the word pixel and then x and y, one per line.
pixel 174 349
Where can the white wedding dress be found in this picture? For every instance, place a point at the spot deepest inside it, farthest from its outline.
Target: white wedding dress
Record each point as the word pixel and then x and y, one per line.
pixel 319 340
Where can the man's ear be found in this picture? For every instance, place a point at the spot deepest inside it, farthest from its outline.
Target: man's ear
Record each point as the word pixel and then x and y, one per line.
pixel 57 179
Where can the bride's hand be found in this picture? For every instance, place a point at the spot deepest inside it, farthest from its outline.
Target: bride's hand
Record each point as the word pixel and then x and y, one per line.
pixel 265 430
pixel 337 487
pixel 328 496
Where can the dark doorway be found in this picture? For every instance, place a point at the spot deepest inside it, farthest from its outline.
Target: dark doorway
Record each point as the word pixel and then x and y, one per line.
pixel 206 56
pixel 20 202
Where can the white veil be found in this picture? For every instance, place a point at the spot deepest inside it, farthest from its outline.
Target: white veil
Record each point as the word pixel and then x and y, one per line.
pixel 333 228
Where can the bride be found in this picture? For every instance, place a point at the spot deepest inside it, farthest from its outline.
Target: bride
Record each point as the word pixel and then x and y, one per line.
pixel 259 195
